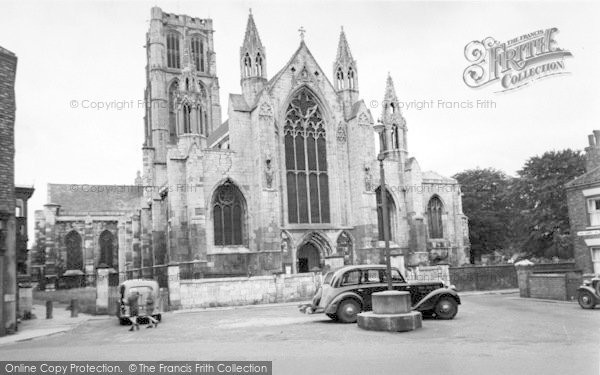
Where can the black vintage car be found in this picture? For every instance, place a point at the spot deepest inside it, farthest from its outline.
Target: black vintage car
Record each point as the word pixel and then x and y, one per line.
pixel 347 291
pixel 588 295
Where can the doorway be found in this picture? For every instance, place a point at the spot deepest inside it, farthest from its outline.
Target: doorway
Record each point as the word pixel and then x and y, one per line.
pixel 308 258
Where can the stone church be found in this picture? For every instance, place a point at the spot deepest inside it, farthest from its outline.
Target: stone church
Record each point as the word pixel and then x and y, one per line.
pixel 289 181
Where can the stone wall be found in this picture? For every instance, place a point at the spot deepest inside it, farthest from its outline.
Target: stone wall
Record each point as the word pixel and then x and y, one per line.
pixel 549 281
pixel 237 291
pixel 484 277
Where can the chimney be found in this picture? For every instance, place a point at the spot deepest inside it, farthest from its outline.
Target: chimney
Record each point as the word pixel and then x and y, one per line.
pixel 592 152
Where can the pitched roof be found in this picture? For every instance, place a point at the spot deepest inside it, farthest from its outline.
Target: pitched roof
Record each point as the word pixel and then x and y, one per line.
pixel 301 47
pixel 587 178
pixel 431 176
pixel 218 133
pixel 84 198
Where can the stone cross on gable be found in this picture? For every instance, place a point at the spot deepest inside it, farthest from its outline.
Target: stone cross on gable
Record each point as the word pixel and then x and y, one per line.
pixel 302 30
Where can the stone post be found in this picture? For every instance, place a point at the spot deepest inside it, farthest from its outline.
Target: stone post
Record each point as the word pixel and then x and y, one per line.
pixel 25 300
pixel 102 289
pixel 174 286
pixel 391 312
pixel 523 273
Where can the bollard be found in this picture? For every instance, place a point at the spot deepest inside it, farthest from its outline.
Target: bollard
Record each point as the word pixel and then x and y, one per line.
pixel 48 309
pixel 74 308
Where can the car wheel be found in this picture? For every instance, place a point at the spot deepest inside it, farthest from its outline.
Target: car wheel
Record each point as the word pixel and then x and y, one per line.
pixel 446 308
pixel 347 311
pixel 586 300
pixel 333 317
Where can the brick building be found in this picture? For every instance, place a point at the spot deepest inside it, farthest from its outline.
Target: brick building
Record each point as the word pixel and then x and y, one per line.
pixel 8 66
pixel 583 198
pixel 289 181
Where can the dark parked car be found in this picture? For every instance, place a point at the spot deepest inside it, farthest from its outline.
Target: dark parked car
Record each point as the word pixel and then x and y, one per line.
pixel 347 291
pixel 588 295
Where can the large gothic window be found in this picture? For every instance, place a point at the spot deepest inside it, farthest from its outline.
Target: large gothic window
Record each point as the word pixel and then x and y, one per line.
pixel 106 248
pixel 198 53
pixel 228 215
pixel 173 50
pixel 391 213
pixel 306 161
pixel 435 209
pixel 173 111
pixel 74 251
pixel 247 65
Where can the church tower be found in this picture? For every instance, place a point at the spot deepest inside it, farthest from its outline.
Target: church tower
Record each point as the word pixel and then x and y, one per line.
pixel 253 63
pixel 394 136
pixel 345 75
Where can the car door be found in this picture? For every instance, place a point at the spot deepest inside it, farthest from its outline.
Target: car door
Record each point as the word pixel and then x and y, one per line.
pixel 371 283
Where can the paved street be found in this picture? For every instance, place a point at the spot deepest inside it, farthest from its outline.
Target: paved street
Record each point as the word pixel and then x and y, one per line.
pixel 491 334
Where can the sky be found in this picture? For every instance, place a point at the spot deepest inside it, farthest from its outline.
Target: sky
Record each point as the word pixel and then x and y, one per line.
pixel 93 52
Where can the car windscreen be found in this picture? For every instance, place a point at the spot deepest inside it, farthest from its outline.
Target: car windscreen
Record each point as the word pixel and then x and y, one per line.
pixel 327 279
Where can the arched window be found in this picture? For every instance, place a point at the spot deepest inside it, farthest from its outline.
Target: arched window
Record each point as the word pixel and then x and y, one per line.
pixel 173 112
pixel 229 215
pixel 205 123
pixel 391 213
pixel 306 160
pixel 201 120
pixel 173 50
pixel 258 64
pixel 392 108
pixel 340 79
pixel 74 251
pixel 187 112
pixel 382 141
pixel 434 217
pixel 198 53
pixel 106 248
pixel 351 78
pixel 395 137
pixel 247 65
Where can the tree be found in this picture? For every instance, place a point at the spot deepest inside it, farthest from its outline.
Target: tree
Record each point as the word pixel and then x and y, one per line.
pixel 539 203
pixel 485 202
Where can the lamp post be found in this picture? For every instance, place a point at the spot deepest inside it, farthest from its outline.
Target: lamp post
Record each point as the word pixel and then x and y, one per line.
pixel 380 128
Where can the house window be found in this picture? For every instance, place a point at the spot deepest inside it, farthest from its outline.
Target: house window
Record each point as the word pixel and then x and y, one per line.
pixel 391 213
pixel 228 215
pixel 306 161
pixel 434 218
pixel 593 205
pixel 173 50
